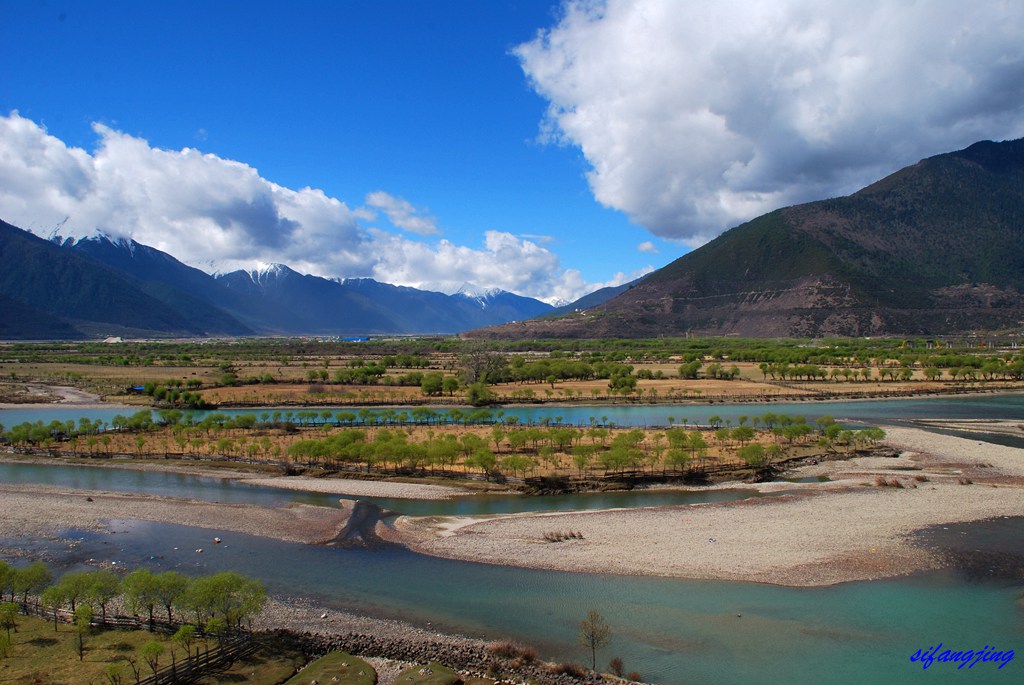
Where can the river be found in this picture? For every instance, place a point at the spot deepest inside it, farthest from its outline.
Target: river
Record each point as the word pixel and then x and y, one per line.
pixel 671 631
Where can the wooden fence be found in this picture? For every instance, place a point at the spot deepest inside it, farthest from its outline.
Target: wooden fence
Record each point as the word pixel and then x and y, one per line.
pixel 188 670
pixel 202 663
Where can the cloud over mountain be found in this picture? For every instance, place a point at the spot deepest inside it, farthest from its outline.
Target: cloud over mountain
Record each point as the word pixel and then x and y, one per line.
pixel 218 213
pixel 696 116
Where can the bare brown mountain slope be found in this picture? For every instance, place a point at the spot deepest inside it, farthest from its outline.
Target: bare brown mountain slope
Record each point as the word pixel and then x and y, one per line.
pixel 936 248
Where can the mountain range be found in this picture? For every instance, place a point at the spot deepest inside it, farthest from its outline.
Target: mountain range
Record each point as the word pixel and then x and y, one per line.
pixel 98 286
pixel 935 248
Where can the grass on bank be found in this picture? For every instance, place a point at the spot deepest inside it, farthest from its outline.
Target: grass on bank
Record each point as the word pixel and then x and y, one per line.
pixel 36 654
pixel 39 654
pixel 429 674
pixel 337 667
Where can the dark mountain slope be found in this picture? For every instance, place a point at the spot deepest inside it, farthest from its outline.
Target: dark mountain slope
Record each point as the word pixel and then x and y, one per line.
pixel 80 292
pixel 935 248
pixel 21 322
pixel 282 300
pixel 194 293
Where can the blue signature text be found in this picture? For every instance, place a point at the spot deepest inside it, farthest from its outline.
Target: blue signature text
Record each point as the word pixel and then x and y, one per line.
pixel 926 657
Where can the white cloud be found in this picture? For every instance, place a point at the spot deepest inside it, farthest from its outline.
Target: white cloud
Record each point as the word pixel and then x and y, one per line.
pixel 402 214
pixel 696 116
pixel 648 247
pixel 505 262
pixel 620 277
pixel 216 213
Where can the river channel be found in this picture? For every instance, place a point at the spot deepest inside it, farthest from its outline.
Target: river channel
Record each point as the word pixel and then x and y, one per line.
pixel 671 631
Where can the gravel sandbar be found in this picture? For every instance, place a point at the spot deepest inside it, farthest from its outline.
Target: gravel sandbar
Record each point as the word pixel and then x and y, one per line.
pixel 826 535
pixel 360 488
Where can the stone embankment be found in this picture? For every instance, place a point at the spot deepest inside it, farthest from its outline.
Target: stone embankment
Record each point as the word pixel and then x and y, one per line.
pixel 468 657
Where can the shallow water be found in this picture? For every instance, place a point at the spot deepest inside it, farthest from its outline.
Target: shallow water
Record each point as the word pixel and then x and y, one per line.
pixel 228 491
pixel 998 406
pixel 671 631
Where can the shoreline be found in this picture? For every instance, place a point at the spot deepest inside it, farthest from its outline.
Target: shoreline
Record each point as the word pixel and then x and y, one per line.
pixel 73 398
pixel 352 487
pixel 360 488
pixel 70 398
pixel 43 510
pixel 843 529
pixel 847 529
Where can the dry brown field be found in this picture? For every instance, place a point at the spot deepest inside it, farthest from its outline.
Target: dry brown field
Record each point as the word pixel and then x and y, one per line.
pixel 292 386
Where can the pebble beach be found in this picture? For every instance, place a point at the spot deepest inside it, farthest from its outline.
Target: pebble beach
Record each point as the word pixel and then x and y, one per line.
pixel 849 528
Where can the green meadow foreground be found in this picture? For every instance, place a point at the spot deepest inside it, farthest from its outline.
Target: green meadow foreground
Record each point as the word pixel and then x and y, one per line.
pixel 40 652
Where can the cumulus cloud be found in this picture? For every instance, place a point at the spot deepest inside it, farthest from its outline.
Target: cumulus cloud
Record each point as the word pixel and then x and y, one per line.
pixel 219 214
pixel 402 214
pixel 505 261
pixel 648 247
pixel 695 116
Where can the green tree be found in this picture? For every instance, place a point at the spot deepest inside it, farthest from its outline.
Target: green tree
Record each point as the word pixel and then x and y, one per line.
pixel 6 578
pixel 29 580
pixel 169 587
pixel 594 635
pixel 228 596
pixel 52 598
pixel 140 592
pixel 114 673
pixel 75 586
pixel 689 370
pixel 479 394
pixel 184 638
pixel 497 435
pixel 677 458
pixel 83 625
pixel 432 383
pixel 698 445
pixel 9 617
pixel 151 652
pixel 517 463
pixel 742 434
pixel 482 459
pixel 581 456
pixel 450 384
pixel 753 455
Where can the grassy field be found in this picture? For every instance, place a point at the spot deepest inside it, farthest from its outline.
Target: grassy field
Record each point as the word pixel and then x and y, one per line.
pixel 312 372
pixel 336 667
pixel 436 674
pixel 37 654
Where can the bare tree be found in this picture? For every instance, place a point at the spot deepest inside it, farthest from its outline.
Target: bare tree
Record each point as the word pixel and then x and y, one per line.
pixel 594 635
pixel 480 365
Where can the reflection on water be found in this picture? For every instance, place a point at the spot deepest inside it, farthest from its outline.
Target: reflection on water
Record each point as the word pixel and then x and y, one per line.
pixel 671 631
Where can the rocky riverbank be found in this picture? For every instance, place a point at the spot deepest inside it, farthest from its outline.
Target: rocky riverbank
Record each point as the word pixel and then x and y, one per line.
pixel 854 527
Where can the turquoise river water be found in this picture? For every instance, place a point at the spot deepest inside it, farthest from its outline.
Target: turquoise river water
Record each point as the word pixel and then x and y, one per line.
pixel 671 631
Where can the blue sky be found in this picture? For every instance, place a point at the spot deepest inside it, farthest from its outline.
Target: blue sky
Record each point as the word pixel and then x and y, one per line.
pixel 543 148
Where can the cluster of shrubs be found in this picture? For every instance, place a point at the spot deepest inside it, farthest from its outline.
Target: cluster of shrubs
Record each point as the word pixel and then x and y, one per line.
pixel 560 535
pixel 516 652
pixel 882 482
pixel 520 655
